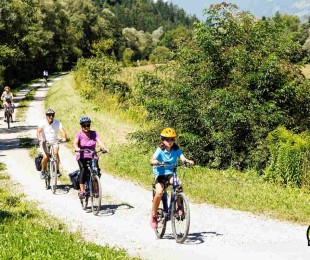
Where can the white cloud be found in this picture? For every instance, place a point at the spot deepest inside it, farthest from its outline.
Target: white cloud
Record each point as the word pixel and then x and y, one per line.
pixel 302 4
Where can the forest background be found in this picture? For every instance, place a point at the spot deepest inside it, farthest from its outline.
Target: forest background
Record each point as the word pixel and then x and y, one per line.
pixel 231 85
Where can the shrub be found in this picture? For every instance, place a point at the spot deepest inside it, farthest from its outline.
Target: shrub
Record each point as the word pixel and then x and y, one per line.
pixel 290 156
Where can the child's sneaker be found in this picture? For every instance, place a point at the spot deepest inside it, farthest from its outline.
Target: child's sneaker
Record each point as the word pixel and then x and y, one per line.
pixel 58 174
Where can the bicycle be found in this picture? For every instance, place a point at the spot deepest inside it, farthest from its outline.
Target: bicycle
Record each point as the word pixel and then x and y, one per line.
pixel 92 184
pixel 45 82
pixel 177 211
pixel 9 110
pixel 51 169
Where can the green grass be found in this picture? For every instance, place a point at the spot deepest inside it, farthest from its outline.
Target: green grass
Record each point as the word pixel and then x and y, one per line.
pixel 27 233
pixel 231 189
pixel 23 105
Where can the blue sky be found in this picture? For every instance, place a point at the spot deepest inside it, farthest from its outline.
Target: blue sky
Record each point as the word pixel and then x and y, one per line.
pixel 258 8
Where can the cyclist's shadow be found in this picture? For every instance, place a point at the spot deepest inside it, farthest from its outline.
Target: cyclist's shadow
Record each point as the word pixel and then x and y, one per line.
pixel 62 189
pixel 196 238
pixel 109 210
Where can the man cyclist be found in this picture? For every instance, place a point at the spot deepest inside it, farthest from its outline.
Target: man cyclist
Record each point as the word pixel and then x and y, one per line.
pixel 47 131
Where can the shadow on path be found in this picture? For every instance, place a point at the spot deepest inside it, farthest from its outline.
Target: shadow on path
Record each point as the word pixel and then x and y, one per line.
pixel 15 129
pixel 109 210
pixel 195 238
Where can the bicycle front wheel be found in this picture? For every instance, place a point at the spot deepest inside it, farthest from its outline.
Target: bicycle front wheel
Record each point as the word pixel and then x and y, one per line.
pixel 8 118
pixel 96 194
pixel 180 217
pixel 53 176
pixel 161 221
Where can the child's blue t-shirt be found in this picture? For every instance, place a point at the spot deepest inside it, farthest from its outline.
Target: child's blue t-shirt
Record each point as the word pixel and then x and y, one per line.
pixel 167 157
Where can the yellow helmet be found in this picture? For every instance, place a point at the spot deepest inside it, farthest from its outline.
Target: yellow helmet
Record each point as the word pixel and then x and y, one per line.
pixel 168 132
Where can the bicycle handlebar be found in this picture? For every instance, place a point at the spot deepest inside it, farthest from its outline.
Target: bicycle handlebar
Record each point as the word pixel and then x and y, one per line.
pixel 163 164
pixel 58 141
pixel 91 151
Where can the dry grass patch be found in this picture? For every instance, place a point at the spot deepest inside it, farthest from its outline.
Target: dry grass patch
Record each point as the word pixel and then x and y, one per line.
pixel 306 70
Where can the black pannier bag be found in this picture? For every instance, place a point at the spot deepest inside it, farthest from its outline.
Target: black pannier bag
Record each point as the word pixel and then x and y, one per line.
pixel 74 177
pixel 38 161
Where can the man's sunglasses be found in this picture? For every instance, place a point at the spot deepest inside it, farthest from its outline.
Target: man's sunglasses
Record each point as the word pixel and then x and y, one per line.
pixel 50 115
pixel 168 139
pixel 86 125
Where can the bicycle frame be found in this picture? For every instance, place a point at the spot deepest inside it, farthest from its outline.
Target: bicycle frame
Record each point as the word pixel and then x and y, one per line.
pixel 51 173
pixel 165 198
pixel 177 210
pixel 92 184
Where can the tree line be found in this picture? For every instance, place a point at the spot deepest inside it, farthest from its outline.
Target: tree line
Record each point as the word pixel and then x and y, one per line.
pixel 53 35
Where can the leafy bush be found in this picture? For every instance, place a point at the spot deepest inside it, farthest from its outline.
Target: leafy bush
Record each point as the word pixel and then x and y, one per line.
pixel 227 89
pixel 289 160
pixel 99 74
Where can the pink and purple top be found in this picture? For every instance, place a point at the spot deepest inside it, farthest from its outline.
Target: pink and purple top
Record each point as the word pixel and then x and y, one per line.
pixel 86 142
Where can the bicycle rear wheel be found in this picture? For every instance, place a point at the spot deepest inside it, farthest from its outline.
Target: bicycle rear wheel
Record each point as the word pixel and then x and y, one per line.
pixel 84 202
pixel 53 176
pixel 180 217
pixel 96 194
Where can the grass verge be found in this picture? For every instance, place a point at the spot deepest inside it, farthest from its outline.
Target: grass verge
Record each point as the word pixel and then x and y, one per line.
pixel 27 233
pixel 231 189
pixel 23 104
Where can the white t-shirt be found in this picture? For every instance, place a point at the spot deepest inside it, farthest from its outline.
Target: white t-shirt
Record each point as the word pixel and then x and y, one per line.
pixel 50 131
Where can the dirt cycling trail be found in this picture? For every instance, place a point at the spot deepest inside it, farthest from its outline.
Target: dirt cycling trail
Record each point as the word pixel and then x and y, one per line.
pixel 123 222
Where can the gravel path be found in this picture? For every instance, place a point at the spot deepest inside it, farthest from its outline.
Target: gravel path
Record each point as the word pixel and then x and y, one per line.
pixel 123 222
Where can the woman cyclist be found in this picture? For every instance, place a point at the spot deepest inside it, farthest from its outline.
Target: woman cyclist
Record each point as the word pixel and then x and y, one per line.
pixel 7 98
pixel 86 139
pixel 167 152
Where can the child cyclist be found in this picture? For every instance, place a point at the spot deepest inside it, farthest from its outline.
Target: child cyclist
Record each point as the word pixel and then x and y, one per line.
pixel 167 152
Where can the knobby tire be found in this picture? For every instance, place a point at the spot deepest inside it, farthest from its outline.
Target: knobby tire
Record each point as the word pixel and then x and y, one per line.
pixel 95 194
pixel 180 223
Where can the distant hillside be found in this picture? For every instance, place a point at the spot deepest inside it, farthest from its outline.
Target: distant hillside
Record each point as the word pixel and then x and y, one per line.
pixel 146 15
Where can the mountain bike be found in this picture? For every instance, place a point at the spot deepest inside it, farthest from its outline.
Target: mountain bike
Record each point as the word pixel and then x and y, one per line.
pixel 51 169
pixel 177 210
pixel 9 110
pixel 92 184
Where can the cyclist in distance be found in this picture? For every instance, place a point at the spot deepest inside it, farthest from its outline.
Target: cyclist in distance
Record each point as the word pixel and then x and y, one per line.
pixel 167 152
pixel 7 97
pixel 45 74
pixel 47 131
pixel 86 139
